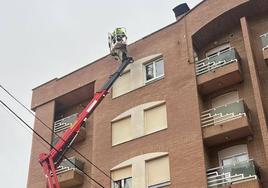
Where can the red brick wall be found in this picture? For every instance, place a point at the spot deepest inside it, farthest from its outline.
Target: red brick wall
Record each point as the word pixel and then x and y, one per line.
pixel 183 138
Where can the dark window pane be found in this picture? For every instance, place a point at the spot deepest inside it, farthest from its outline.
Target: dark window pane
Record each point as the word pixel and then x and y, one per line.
pixel 117 184
pixel 149 69
pixel 128 183
pixel 159 67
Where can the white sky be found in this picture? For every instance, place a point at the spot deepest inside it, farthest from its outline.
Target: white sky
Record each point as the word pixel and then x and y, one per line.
pixel 44 39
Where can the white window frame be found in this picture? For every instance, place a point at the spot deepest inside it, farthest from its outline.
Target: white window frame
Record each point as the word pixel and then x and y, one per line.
pixel 232 151
pixel 154 70
pixel 234 157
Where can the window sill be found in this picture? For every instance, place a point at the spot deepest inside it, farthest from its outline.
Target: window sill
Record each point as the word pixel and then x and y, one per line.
pixel 154 80
pixel 159 130
pixel 160 185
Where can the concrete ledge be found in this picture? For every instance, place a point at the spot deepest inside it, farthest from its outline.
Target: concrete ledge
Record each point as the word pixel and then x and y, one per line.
pixel 227 131
pixel 246 184
pixel 220 78
pixel 70 178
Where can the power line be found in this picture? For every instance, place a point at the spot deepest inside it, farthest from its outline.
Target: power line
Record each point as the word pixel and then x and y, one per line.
pixel 35 132
pixel 30 133
pixel 42 122
pixel 7 108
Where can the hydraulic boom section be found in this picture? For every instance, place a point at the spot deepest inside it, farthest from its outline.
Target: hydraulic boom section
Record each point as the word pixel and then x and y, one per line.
pixel 50 161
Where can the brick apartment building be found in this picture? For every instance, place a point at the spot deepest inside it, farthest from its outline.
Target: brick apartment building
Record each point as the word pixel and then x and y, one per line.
pixel 190 112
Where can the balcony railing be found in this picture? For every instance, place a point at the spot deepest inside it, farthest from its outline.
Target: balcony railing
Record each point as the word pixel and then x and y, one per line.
pixel 225 113
pixel 65 123
pixel 238 172
pixel 264 39
pixel 218 60
pixel 66 166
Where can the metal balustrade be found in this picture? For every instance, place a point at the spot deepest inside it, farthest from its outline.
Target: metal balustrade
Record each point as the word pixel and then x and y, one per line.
pixel 216 61
pixel 65 123
pixel 264 40
pixel 66 166
pixel 229 174
pixel 225 113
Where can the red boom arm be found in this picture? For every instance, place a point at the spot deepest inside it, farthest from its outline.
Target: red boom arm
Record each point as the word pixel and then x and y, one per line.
pixel 51 161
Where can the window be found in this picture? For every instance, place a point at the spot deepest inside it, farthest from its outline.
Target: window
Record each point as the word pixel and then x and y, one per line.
pixel 136 171
pixel 155 119
pixel 121 131
pixel 227 98
pixel 233 155
pixel 157 172
pixel 138 121
pixel 220 48
pixel 123 183
pixel 122 85
pixel 154 70
pixel 122 178
pixel 138 74
pixel 235 159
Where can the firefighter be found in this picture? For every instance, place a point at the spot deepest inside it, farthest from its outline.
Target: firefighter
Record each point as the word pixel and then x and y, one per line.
pixel 119 34
pixel 117 43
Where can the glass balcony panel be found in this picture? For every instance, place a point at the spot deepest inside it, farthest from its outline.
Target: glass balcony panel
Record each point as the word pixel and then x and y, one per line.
pixel 67 165
pixel 237 172
pixel 215 61
pixel 264 39
pixel 233 108
pixel 223 113
pixel 65 123
pixel 60 126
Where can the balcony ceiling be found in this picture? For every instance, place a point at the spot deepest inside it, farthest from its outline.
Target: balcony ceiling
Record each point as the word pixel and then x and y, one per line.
pixel 227 21
pixel 75 97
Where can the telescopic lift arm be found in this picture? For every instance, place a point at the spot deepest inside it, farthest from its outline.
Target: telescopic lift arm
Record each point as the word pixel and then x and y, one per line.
pixel 50 161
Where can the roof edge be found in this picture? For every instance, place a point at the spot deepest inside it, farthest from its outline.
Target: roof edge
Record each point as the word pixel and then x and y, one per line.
pixel 133 43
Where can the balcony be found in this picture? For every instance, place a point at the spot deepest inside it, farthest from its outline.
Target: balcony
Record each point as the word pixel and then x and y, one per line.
pixel 69 175
pixel 238 175
pixel 264 39
pixel 218 71
pixel 60 126
pixel 224 123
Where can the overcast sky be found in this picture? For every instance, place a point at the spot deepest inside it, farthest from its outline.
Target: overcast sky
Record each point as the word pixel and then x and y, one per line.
pixel 44 39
